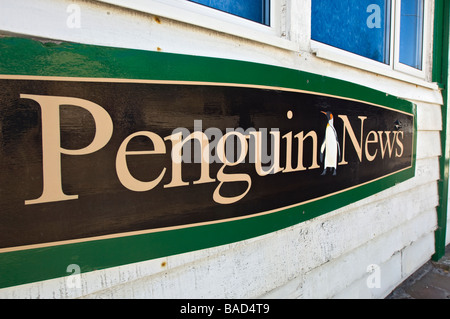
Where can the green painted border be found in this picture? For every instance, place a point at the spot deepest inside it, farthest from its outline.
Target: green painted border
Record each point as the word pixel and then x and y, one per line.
pixel 440 75
pixel 27 57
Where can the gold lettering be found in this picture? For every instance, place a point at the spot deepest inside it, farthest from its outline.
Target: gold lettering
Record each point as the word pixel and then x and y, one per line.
pixel 301 140
pixel 229 178
pixel 275 155
pixel 348 128
pixel 400 145
pixel 51 144
pixel 177 158
pixel 388 146
pixel 370 157
pixel 122 170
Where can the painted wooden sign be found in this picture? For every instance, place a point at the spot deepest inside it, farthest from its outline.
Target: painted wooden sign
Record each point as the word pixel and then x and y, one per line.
pixel 162 164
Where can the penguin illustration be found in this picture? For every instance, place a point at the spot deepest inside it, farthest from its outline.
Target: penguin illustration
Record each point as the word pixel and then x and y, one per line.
pixel 330 146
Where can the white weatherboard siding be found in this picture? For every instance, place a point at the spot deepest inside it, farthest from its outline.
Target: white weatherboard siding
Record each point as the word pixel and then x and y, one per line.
pixel 326 257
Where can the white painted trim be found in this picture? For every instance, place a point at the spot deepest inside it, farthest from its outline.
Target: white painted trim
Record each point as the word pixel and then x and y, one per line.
pixel 426 25
pixel 329 52
pixel 212 19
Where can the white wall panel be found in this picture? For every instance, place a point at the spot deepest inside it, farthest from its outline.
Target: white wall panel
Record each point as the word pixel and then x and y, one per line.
pixel 326 257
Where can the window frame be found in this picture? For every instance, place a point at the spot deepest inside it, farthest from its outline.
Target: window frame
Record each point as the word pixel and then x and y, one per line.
pixel 342 53
pixel 394 68
pixel 214 19
pixel 265 15
pixel 397 64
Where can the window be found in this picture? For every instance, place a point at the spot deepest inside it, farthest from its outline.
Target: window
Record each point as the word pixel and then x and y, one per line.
pixel 411 33
pixel 389 32
pixel 255 10
pixel 262 21
pixel 345 24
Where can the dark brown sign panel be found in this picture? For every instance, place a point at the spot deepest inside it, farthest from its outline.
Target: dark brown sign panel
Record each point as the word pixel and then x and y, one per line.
pixel 82 159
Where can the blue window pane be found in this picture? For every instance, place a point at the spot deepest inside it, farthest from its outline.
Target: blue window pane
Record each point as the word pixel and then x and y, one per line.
pixel 411 33
pixel 358 26
pixel 255 10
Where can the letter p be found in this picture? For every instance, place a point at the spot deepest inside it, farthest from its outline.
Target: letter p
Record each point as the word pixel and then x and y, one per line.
pixel 51 141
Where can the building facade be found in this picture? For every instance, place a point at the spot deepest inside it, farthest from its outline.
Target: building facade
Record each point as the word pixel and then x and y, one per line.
pixel 359 240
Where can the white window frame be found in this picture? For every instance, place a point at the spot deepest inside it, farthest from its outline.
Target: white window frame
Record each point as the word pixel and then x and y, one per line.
pixel 397 64
pixel 213 19
pixel 394 68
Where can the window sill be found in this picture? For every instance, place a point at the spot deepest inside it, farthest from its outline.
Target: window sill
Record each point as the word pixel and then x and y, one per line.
pixel 326 52
pixel 208 18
